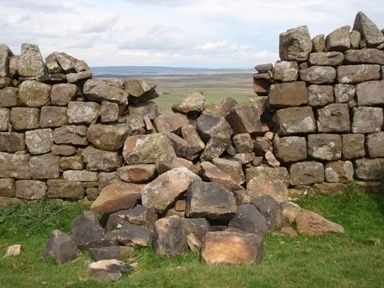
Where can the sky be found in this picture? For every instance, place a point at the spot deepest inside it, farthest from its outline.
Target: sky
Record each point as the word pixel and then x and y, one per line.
pixel 181 33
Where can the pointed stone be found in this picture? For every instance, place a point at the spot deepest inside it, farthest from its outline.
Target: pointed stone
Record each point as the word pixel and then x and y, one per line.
pixel 368 30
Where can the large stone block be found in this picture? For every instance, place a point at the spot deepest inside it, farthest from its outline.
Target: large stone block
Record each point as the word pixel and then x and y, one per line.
pixel 326 58
pixel 34 94
pixel 209 126
pixel 263 184
pixel 108 90
pixel 244 118
pixel 192 103
pixel 295 120
pixel 31 62
pixel 320 95
pixel 59 188
pixel 339 172
pixel 369 169
pixel 249 219
pixel 348 74
pixel 107 137
pixel 83 112
pixel 30 189
pixel 318 74
pixel 344 93
pixel 12 142
pixel 333 118
pixel 353 146
pixel 295 44
pixel 339 39
pixel 25 118
pixel 148 108
pixel 52 116
pixel 290 149
pixel 232 168
pixel 63 93
pixel 306 173
pixel 368 30
pixel 45 166
pixel 14 166
pixel 370 93
pixel 109 112
pixel 365 56
pixel 80 176
pixel 374 145
pixel 63 150
pixel 100 160
pixel 318 43
pixel 71 134
pixel 286 71
pixel 324 146
pixel 288 94
pixel 367 120
pixel 170 122
pixel 9 97
pixel 140 91
pixel 39 141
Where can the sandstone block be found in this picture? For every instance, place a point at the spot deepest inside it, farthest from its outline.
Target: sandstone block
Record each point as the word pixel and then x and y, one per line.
pixel 344 93
pixel 86 230
pixel 30 189
pixel 369 169
pixel 63 93
pixel 271 210
pixel 311 223
pixel 355 39
pixel 306 173
pixel 365 56
pixel 30 62
pixel 333 118
pixel 290 149
pixel 63 150
pixel 140 91
pixel 107 137
pixel 12 142
pixel 72 163
pixel 326 58
pixel 9 97
pixel 192 103
pixel 7 187
pixel 59 188
pixel 34 94
pixel 324 146
pixel 209 126
pixel 295 120
pixel 374 145
pixel 80 175
pixel 83 112
pixel 171 122
pixel 353 146
pixel 52 116
pixel 14 166
pixel 45 166
pixel 135 235
pixel 190 135
pixel 25 118
pixel 276 173
pixel 339 39
pixel 233 168
pixel 148 108
pixel 109 112
pixel 249 219
pixel 4 119
pixel 288 94
pixel 348 74
pixel 367 120
pixel 339 172
pixel 318 74
pixel 264 184
pixel 244 118
pixel 139 173
pixel 370 93
pixel 286 71
pixel 39 141
pixel 320 95
pixel 215 174
pixel 318 43
pixel 100 160
pixel 108 90
pixel 71 134
pixel 5 55
pixel 243 143
pixel 295 44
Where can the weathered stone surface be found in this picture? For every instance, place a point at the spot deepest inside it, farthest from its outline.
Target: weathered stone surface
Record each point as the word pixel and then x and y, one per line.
pixel 139 215
pixel 109 112
pixel 183 148
pixel 60 247
pixel 244 118
pixel 366 56
pixel 168 162
pixel 52 64
pixel 295 120
pixel 271 159
pixel 318 74
pixel 270 209
pixel 30 189
pixel 117 196
pixel 106 178
pixel 5 82
pixel 80 175
pixel 4 119
pixel 367 120
pixel 86 230
pixel 210 200
pixel 9 97
pixel 139 173
pixel 243 143
pixel 7 187
pixel 318 43
pixel 320 95
pixel 324 146
pixel 169 236
pixel 109 270
pixel 39 141
pixel 25 118
pixel 330 189
pixel 286 71
pixel 295 44
pixel 339 172
pixel 192 103
pixel 63 93
pixel 136 124
pixel 83 112
pixel 215 147
pixel 344 92
pixel 140 149
pixel 353 146
pixel 13 251
pixel 249 219
pixel 59 188
pixel 190 135
pixel 140 91
pixel 288 94
pixel 334 118
pixel 165 189
pixel 5 55
pixel 45 166
pixel 374 145
pixel 233 168
pixel 264 184
pixel 134 235
pixel 71 134
pixel 368 30
pixel 215 174
pixel 223 248
pixel 121 253
pixel 196 226
pixel 370 93
pixel 358 73
pixel 171 122
pixel 14 165
pixel 355 39
pixel 31 62
pixel 264 68
pixel 12 142
pixel 339 39
pixel 276 173
pixel 63 150
pixel 75 77
pixel 310 223
pixel 107 137
pixel 306 173
pixel 260 85
pixel 109 90
pixel 148 108
pixel 72 163
pixel 369 169
pixel 209 126
pixel 290 149
pixel 34 94
pixel 52 116
pixel 247 158
pixel 326 58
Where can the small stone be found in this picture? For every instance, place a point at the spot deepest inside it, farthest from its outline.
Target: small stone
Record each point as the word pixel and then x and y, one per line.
pixel 324 146
pixel 318 43
pixel 13 251
pixel 370 93
pixel 139 173
pixel 355 39
pixel 374 145
pixel 369 169
pixel 107 137
pixel 320 95
pixel 46 166
pixel 25 118
pixel 12 142
pixel 348 74
pixel 318 74
pixel 63 93
pixel 344 93
pixel 108 90
pixel 34 94
pixel 339 39
pixel 71 134
pixel 60 247
pixel 288 94
pixel 30 189
pixel 368 30
pixel 72 163
pixel 192 103
pixel 39 141
pixel 295 120
pixel 83 112
pixel 109 112
pixel 271 159
pixel 140 91
pixel 353 146
pixel 109 270
pixel 30 62
pixel 286 71
pixel 249 219
pixel 290 149
pixel 86 230
pixel 7 187
pixel 306 173
pixel 295 44
pixel 59 188
pixel 367 120
pixel 223 248
pixel 9 97
pixel 14 166
pixel 266 185
pixel 52 116
pixel 326 58
pixel 333 118
pixel 339 172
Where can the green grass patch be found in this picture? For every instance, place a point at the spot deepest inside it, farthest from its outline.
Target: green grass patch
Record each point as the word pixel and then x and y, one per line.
pixel 355 259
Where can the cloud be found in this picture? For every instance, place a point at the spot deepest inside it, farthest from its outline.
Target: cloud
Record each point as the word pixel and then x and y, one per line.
pixel 221 46
pixel 97 24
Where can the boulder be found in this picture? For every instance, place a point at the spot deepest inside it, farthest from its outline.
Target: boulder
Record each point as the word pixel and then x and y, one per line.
pixel 140 91
pixel 348 74
pixel 290 149
pixel 367 119
pixel 215 174
pixel 34 94
pixel 318 43
pixel 306 173
pixel 30 189
pixel 324 146
pixel 211 201
pixel 288 94
pixel 318 74
pixel 198 227
pixel 310 223
pixel 365 56
pixel 286 71
pixel 169 237
pixel 171 122
pixel 86 230
pixel 134 235
pixel 339 39
pixel 100 160
pixel 71 134
pixel 14 166
pixel 333 118
pixel 7 187
pixel 223 248
pixel 59 188
pixel 31 62
pixel 83 112
pixel 295 120
pixel 25 118
pixel 374 145
pixel 344 92
pixel 46 166
pixel 368 30
pixel 121 253
pixel 39 141
pixel 244 118
pixel 52 116
pixel 183 148
pixel 139 173
pixel 270 209
pixel 109 270
pixel 9 97
pixel 12 142
pixel 339 172
pixel 109 112
pixel 370 93
pixel 107 137
pixel 353 146
pixel 117 196
pixel 326 58
pixel 249 219
pixel 264 184
pixel 369 169
pixel 320 95
pixel 63 93
pixel 295 44
pixel 192 103
pixel 61 248
pixel 108 90
pixel 165 189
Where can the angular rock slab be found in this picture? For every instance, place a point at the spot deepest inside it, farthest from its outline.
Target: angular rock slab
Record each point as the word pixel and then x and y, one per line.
pixel 134 235
pixel 249 219
pixel 366 56
pixel 223 248
pixel 339 39
pixel 140 91
pixel 339 172
pixel 139 173
pixel 192 103
pixel 295 44
pixel 367 120
pixel 165 189
pixel 108 90
pixel 86 230
pixel 107 137
pixel 101 160
pixel 310 223
pixel 368 30
pixel 306 173
pixel 318 74
pixel 295 120
pixel 264 184
pixel 244 118
pixel 348 74
pixel 271 210
pixel 370 93
pixel 108 270
pixel 288 94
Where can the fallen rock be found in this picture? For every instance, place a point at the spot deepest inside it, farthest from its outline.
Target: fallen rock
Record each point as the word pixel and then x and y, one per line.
pixel 171 122
pixel 108 270
pixel 310 223
pixel 134 235
pixel 215 174
pixel 270 209
pixel 121 253
pixel 148 108
pixel 100 160
pixel 339 39
pixel 86 230
pixel 209 126
pixel 139 215
pixel 223 248
pixel 244 118
pixel 249 219
pixel 264 184
pixel 233 168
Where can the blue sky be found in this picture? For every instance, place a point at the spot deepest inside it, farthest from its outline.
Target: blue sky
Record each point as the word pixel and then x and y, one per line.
pixel 185 33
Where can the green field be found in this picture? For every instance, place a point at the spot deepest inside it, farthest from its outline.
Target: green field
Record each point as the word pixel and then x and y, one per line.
pixel 355 259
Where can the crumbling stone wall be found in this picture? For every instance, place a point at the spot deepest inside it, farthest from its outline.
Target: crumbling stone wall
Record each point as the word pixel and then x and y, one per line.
pixel 326 98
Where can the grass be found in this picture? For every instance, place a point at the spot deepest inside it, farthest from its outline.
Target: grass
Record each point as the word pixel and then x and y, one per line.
pixel 355 259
